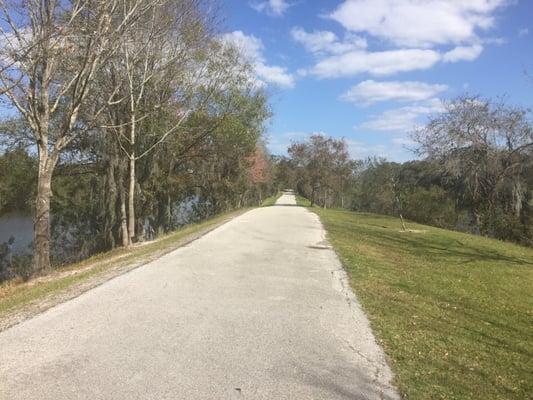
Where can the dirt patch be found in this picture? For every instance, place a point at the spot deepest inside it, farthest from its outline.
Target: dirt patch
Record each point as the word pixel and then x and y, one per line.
pixel 413 231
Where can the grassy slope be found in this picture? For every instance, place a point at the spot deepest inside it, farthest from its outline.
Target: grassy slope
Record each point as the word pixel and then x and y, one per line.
pixel 302 201
pixel 270 201
pixel 16 294
pixel 454 312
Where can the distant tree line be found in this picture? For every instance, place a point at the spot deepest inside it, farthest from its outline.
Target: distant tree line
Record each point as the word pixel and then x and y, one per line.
pixel 123 111
pixel 475 172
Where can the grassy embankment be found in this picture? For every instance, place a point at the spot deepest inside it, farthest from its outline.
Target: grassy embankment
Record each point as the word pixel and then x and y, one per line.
pixel 454 312
pixel 16 294
pixel 302 201
pixel 270 201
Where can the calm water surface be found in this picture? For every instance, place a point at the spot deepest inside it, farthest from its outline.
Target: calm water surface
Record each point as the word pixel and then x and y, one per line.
pixel 19 226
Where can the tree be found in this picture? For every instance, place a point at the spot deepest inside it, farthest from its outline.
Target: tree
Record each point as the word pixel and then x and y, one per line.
pixel 260 172
pixel 223 163
pixel 484 148
pixel 323 166
pixel 151 71
pixel 131 106
pixel 171 75
pixel 284 172
pixel 50 52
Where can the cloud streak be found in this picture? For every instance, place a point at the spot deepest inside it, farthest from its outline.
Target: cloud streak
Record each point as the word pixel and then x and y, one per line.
pixel 378 63
pixel 463 53
pixel 402 119
pixel 370 92
pixel 275 8
pixel 326 42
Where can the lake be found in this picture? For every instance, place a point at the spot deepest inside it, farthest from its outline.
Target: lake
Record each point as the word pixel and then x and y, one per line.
pixel 21 228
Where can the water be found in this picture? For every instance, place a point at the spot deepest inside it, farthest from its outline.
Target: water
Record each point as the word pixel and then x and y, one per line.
pixel 185 212
pixel 21 228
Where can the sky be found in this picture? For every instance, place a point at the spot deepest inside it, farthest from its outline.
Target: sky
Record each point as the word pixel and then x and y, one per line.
pixel 370 71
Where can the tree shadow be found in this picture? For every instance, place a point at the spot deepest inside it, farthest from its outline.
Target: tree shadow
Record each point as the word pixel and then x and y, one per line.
pixel 342 381
pixel 445 250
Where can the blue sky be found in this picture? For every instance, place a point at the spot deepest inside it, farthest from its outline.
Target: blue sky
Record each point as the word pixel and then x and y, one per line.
pixel 371 70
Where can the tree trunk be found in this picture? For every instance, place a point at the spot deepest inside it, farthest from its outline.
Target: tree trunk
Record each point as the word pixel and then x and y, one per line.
pixel 123 215
pixel 476 221
pixel 404 228
pixel 131 192
pixel 41 231
pixel 131 201
pixel 110 204
pixel 518 196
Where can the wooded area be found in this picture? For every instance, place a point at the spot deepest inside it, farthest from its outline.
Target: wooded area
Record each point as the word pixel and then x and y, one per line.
pixel 122 114
pixel 475 173
pixel 125 119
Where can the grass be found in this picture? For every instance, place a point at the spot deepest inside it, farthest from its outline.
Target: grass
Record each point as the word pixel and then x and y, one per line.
pixel 453 312
pixel 270 201
pixel 302 201
pixel 16 294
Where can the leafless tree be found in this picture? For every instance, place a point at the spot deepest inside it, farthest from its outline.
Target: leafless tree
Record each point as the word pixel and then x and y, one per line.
pixel 485 145
pixel 50 52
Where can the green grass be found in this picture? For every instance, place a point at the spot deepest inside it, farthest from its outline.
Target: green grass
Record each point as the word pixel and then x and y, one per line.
pixel 270 201
pixel 302 201
pixel 454 312
pixel 16 294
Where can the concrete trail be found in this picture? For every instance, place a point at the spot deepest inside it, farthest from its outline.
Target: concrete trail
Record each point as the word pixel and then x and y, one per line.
pixel 256 309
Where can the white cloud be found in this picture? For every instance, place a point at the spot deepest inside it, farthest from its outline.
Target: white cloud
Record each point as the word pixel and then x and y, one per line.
pixel 417 34
pixel 388 62
pixel 419 23
pixel 370 92
pixel 361 150
pixel 463 53
pixel 250 47
pixel 523 32
pixel 252 50
pixel 379 63
pixel 322 42
pixel 272 7
pixel 403 119
pixel 274 74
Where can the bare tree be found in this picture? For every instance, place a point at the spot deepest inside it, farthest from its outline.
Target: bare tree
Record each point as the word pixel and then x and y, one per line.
pixel 50 52
pixel 485 146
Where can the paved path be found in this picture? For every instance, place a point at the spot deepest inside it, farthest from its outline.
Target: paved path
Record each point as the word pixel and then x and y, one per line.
pixel 256 309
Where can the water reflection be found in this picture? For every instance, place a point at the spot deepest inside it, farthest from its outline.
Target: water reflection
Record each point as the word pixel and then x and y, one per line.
pixel 21 228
